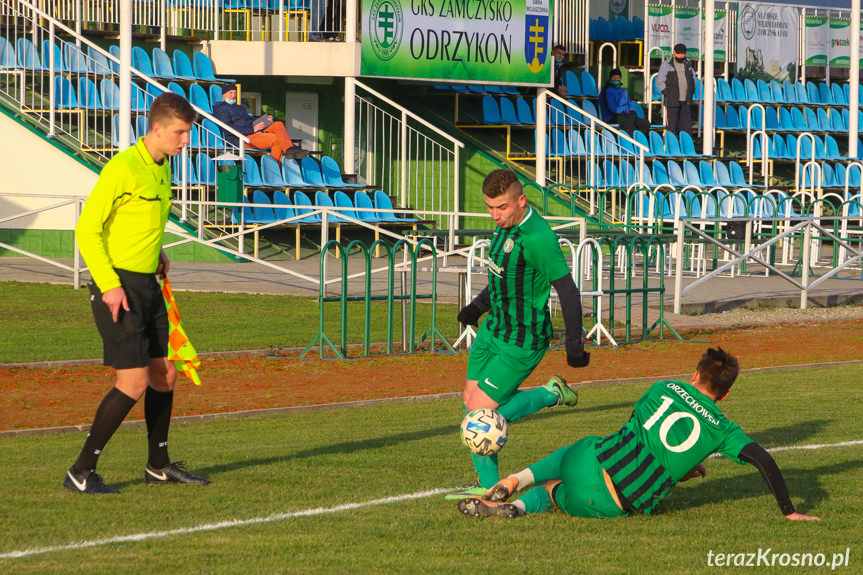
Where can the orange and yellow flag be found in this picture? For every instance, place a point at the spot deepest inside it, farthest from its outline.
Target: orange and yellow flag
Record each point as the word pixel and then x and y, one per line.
pixel 180 349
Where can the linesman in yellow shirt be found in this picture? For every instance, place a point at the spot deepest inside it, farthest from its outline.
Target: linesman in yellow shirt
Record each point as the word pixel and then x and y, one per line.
pixel 120 236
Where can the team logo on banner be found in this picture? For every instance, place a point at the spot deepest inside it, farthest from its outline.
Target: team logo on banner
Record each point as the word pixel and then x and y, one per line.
pixel 536 34
pixel 386 25
pixel 748 22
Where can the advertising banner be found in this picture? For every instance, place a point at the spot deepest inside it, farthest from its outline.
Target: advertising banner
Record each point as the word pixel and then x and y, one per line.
pixel 767 41
pixel 659 20
pixel 482 41
pixel 840 43
pixel 816 40
pixel 686 30
pixel 720 30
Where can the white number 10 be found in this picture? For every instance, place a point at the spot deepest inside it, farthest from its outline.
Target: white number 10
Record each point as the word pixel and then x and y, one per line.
pixel 669 422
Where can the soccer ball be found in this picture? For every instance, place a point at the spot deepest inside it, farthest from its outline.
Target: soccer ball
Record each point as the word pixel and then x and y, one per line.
pixel 484 431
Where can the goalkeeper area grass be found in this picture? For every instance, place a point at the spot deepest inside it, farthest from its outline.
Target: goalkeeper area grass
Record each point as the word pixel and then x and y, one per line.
pixel 361 490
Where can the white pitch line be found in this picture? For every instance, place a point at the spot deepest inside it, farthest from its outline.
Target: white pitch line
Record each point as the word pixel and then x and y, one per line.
pixel 221 525
pixel 304 513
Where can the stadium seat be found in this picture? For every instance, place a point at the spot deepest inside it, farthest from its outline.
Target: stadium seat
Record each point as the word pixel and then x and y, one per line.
pixel 675 174
pixel 74 59
pixel 271 172
pixel 198 97
pixel 657 145
pixel 175 88
pixel 7 54
pixel 524 112
pixel 823 120
pixel 588 85
pixel 282 209
pixel 205 167
pixel 59 64
pixel 162 66
pixel 302 200
pixel 141 61
pixel 836 90
pixel 323 200
pixel 490 111
pixel 215 93
pixel 251 173
pixel 342 200
pixel 383 202
pixel 332 174
pixel 825 95
pixel 28 58
pixel 776 92
pixel 750 92
pixel 262 214
pixel 573 86
pixel 311 171
pixel 211 135
pixel 507 111
pixel 576 143
pixel 64 94
pixel 738 92
pixel 660 173
pixel 88 94
pixel 705 173
pixel 292 174
pixel 363 202
pixel 789 93
pixel 672 145
pixel 203 68
pixel 183 66
pixel 177 170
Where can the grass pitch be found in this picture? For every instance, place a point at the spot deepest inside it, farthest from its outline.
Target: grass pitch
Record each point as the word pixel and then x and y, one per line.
pixel 306 463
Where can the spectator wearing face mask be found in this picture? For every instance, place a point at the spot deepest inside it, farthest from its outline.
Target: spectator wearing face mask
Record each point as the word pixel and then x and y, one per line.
pixel 559 86
pixel 263 132
pixel 676 81
pixel 616 106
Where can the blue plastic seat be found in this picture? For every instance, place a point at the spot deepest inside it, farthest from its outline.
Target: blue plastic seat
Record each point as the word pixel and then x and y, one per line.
pixel 205 168
pixel 719 118
pixel 74 59
pixel 282 209
pixel 639 137
pixel 802 93
pixel 657 145
pixel 332 174
pixel 738 92
pixel 611 175
pixel 383 202
pixel 675 174
pixel 64 94
pixel 556 143
pixel 576 143
pixel 251 173
pixel 690 173
pixel 812 93
pixel 811 119
pixel 732 118
pixel 490 111
pixel 736 171
pixel 831 148
pixel 59 64
pixel 660 173
pixel 311 171
pixel 177 170
pixel 837 92
pixel 723 90
pixel 342 200
pixel 789 93
pixel 301 200
pixel 362 201
pixel 262 214
pixel 687 146
pixel 203 68
pixel 705 173
pixel 588 85
pixel 7 54
pixel 162 66
pixel 672 145
pixel 28 58
pixel 825 95
pixel 823 120
pixel 798 122
pixel 656 95
pixel 183 66
pixel 750 91
pixel 573 86
pixel 198 97
pixel 211 135
pixel 141 61
pixel 215 91
pixel 589 107
pixel 776 94
pixel 507 111
pixel 292 175
pixel 271 172
pixel 88 94
pixel 524 112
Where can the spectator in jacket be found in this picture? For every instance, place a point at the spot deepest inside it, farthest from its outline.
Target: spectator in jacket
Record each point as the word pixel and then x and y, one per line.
pixel 264 133
pixel 676 81
pixel 617 108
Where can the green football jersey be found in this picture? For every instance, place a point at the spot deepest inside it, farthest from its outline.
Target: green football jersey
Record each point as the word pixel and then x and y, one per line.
pixel 523 261
pixel 673 428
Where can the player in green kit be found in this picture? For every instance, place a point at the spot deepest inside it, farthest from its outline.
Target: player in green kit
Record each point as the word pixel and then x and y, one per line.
pixel 673 428
pixel 525 262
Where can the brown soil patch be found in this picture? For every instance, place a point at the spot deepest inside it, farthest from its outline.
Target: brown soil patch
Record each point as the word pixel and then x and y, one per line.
pixel 39 397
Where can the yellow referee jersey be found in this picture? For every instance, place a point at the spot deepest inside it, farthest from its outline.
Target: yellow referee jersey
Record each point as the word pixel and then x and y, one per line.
pixel 123 220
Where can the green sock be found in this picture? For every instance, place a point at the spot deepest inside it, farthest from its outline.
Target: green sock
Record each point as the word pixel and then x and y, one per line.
pixel 548 468
pixel 537 500
pixel 527 402
pixel 486 468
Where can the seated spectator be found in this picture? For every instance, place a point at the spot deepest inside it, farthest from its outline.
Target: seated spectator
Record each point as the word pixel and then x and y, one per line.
pixel 559 52
pixel 265 133
pixel 616 106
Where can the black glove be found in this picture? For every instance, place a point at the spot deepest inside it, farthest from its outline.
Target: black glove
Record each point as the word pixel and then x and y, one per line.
pixel 470 314
pixel 578 360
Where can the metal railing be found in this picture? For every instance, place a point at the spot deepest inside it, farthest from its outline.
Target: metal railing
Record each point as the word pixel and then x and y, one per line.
pixel 577 153
pixel 409 158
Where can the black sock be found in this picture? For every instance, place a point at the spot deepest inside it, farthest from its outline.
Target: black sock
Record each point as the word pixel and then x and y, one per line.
pixel 110 414
pixel 157 412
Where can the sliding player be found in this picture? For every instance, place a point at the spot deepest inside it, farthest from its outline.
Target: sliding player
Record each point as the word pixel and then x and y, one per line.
pixel 673 428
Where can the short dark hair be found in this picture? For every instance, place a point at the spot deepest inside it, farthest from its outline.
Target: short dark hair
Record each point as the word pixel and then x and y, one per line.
pixel 615 72
pixel 558 47
pixel 499 182
pixel 168 106
pixel 680 48
pixel 718 369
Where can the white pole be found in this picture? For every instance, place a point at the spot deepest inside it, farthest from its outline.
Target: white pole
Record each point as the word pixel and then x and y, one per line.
pixel 351 19
pixel 708 99
pixel 125 74
pixel 350 125
pixel 854 94
pixel 541 102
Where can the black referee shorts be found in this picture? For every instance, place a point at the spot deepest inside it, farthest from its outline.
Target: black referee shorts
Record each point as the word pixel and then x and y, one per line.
pixel 141 333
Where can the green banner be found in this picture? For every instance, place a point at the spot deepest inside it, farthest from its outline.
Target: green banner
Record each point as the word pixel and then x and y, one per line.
pixel 816 41
pixel 483 41
pixel 840 43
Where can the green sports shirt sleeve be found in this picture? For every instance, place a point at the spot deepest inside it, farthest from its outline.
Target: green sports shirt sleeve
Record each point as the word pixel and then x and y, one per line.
pixel 123 220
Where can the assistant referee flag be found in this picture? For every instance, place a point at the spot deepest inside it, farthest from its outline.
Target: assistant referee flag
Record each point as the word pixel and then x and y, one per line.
pixel 180 349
